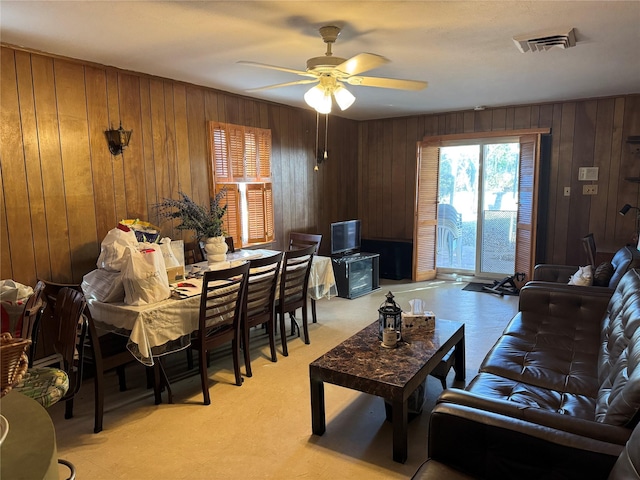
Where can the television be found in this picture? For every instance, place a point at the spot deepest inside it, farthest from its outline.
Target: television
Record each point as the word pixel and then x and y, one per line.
pixel 345 237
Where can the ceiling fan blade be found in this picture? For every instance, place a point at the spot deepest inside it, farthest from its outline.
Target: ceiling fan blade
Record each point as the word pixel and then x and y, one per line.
pixel 288 84
pixel 274 67
pixel 398 84
pixel 361 63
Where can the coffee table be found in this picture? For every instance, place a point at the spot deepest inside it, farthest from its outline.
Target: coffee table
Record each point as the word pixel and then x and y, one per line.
pixel 361 363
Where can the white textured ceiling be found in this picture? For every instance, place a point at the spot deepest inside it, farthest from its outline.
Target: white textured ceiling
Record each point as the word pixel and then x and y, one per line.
pixel 464 49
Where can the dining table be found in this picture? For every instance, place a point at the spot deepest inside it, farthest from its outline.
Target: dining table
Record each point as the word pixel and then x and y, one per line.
pixel 165 327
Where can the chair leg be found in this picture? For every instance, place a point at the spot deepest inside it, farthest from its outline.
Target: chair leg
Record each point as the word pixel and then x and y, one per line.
pixel 272 340
pixel 283 335
pixel 204 377
pixel 235 348
pixel 68 408
pixel 98 384
pixel 189 359
pixel 305 325
pixel 313 311
pixel 122 379
pixel 247 354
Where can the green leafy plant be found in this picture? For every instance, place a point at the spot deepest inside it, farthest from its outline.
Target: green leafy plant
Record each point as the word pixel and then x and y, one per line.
pixel 205 222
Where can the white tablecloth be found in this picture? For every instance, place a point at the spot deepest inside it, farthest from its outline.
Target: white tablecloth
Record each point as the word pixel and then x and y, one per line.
pixel 165 327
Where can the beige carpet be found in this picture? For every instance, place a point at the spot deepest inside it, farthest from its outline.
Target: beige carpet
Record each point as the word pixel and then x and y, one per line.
pixel 262 430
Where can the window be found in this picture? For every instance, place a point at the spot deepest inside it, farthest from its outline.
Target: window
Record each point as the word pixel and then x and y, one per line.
pixel 241 164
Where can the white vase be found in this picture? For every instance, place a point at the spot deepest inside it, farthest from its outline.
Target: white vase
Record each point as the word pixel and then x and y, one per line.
pixel 216 248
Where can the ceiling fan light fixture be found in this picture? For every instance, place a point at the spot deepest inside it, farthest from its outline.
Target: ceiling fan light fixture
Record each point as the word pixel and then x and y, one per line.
pixel 319 99
pixel 344 98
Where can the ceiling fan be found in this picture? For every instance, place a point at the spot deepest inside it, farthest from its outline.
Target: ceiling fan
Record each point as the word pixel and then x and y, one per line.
pixel 331 73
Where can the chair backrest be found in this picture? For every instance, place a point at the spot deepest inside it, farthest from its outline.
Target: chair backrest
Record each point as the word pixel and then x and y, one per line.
pixel 222 300
pixel 192 253
pixel 294 280
pixel 449 218
pixel 300 240
pixel 589 245
pixel 229 242
pixel 33 310
pixel 72 327
pixel 263 282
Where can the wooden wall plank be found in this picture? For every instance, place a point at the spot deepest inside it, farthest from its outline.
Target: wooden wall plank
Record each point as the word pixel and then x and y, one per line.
pixel 582 156
pixel 198 149
pixel 76 164
pixel 16 194
pixel 101 159
pixel 133 163
pixel 117 161
pixel 51 161
pixel 146 142
pixel 602 160
pixel 32 165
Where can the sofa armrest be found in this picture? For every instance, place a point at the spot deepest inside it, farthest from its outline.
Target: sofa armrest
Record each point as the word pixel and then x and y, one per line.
pixel 553 273
pixel 486 444
pixel 614 435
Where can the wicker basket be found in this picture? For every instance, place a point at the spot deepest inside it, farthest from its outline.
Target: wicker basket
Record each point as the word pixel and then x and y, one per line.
pixel 13 361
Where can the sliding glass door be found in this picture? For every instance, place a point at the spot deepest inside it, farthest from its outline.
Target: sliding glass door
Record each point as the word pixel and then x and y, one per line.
pixel 477 208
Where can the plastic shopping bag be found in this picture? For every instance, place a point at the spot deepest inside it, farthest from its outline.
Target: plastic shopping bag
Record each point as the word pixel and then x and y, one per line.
pixel 113 248
pixel 103 285
pixel 13 296
pixel 144 276
pixel 170 259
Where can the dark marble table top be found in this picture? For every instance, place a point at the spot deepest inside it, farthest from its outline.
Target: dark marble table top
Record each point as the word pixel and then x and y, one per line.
pixel 363 364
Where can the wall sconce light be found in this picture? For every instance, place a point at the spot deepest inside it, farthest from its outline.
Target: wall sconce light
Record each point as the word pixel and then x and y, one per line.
pixel 118 139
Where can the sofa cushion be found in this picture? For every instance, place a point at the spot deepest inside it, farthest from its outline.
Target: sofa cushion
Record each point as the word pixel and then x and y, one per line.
pixel 526 395
pixel 602 275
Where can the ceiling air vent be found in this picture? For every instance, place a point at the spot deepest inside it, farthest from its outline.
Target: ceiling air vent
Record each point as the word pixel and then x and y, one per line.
pixel 541 41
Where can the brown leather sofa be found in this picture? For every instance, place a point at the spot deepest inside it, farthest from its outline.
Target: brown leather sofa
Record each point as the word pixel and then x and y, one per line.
pixel 624 260
pixel 548 451
pixel 557 396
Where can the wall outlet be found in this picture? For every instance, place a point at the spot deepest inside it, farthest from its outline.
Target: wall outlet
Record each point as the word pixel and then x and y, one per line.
pixel 567 191
pixel 590 189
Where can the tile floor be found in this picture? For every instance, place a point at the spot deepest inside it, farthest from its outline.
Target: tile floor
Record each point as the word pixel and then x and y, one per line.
pixel 262 430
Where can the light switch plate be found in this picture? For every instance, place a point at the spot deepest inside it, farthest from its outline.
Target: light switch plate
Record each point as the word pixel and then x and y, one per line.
pixel 588 174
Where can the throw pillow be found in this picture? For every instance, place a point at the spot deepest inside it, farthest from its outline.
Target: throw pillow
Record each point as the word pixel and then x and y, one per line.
pixel 602 275
pixel 583 277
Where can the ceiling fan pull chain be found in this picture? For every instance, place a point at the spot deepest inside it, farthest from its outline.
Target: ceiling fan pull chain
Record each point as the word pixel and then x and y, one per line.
pixel 326 134
pixel 316 152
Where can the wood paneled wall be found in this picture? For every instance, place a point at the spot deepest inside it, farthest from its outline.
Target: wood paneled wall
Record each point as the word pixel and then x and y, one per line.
pixel 62 190
pixel 584 133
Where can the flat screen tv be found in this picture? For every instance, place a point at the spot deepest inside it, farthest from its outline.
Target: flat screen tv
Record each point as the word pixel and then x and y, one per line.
pixel 345 237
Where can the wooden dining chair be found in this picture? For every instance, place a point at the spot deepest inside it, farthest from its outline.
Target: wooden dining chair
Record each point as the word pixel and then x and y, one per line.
pixel 48 385
pixel 260 303
pixel 221 304
pixel 33 310
pixel 105 352
pixel 229 242
pixel 301 240
pixel 589 245
pixel 294 284
pixel 193 253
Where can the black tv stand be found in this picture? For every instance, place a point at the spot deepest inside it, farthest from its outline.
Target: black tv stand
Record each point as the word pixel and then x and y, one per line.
pixel 356 273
